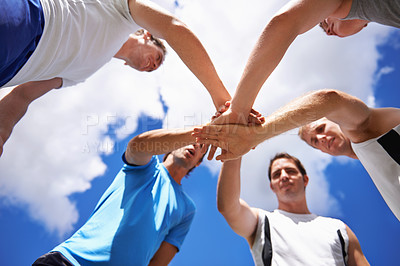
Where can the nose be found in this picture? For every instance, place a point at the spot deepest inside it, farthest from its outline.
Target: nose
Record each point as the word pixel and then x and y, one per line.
pixel 284 175
pixel 197 146
pixel 321 138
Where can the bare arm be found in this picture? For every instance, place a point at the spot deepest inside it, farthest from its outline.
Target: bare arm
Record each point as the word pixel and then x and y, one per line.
pixel 240 216
pixel 355 254
pixel 333 104
pixel 295 18
pixel 160 141
pixel 189 48
pixel 164 254
pixel 15 104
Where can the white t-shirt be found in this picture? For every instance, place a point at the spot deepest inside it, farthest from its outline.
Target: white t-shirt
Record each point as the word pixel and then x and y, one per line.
pixel 382 168
pixel 300 239
pixel 79 37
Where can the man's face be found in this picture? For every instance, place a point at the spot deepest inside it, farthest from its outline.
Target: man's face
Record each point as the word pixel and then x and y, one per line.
pixel 188 156
pixel 146 56
pixel 327 136
pixel 342 28
pixel 286 180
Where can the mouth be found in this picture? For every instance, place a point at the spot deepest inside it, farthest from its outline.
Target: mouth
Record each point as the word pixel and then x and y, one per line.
pixel 286 185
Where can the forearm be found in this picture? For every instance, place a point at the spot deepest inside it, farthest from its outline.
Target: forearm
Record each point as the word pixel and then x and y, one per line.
pixel 333 104
pixel 193 54
pixel 15 104
pixel 159 141
pixel 295 18
pixel 266 55
pixel 228 188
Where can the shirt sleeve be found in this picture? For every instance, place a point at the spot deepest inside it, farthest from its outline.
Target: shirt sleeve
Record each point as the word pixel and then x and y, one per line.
pixel 177 234
pixel 68 83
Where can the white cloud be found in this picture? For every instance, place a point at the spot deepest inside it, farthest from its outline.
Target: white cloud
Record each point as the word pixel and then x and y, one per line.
pixel 55 149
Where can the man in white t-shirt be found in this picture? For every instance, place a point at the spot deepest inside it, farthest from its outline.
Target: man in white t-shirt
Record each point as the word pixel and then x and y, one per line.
pixel 79 37
pixel 290 235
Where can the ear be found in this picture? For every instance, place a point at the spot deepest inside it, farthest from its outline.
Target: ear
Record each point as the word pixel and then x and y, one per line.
pixel 270 186
pixel 305 179
pixel 146 35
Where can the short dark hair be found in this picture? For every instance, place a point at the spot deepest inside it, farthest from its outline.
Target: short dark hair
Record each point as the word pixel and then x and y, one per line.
pixel 284 155
pixel 155 40
pixel 191 169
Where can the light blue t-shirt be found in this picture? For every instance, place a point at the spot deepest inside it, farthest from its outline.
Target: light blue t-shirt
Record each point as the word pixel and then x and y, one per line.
pixel 142 207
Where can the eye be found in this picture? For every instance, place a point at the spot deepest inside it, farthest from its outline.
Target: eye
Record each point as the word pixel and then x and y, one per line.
pixel 276 174
pixel 320 128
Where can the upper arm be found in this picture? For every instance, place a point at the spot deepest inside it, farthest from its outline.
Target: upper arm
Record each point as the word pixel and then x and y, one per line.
pixel 355 254
pixel 152 17
pixel 136 153
pixel 164 254
pixel 302 15
pixel 349 112
pixel 35 89
pixel 244 221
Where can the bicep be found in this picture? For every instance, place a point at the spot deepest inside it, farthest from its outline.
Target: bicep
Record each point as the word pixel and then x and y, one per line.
pixel 355 254
pixel 164 254
pixel 349 112
pixel 305 14
pixel 152 17
pixel 136 154
pixel 244 221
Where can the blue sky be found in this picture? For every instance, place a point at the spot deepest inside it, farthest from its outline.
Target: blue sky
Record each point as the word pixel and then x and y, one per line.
pixel 65 152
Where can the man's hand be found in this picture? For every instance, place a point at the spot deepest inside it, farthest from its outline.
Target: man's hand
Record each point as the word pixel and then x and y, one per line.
pixel 225 115
pixel 234 140
pixel 253 119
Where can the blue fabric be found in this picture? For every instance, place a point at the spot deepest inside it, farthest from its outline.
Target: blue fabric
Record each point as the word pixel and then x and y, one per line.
pixel 142 207
pixel 21 26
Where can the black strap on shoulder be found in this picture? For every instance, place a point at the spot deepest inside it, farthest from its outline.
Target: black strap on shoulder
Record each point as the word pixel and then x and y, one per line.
pixel 343 247
pixel 391 143
pixel 267 250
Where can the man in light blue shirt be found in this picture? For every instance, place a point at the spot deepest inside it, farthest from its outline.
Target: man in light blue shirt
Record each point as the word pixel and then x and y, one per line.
pixel 144 216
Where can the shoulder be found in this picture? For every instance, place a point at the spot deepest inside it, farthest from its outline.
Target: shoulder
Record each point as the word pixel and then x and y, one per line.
pixel 153 163
pixel 328 221
pixel 379 122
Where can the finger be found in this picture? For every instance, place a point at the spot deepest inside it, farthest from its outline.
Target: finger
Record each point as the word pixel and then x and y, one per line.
pixel 226 157
pixel 211 153
pixel 254 112
pixel 204 148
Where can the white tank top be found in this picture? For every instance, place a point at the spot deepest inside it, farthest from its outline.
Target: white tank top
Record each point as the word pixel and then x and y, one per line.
pixel 301 239
pixel 378 156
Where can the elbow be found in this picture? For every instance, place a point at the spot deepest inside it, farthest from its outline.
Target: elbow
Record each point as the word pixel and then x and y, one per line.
pixel 284 22
pixel 226 208
pixel 135 145
pixel 328 95
pixel 221 206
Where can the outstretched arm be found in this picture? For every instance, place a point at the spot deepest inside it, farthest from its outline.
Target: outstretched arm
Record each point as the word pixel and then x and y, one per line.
pixel 355 254
pixel 15 104
pixel 240 216
pixel 160 141
pixel 189 48
pixel 295 18
pixel 349 112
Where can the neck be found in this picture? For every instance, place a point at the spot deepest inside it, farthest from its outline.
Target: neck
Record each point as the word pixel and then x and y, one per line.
pixel 299 207
pixel 124 50
pixel 177 172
